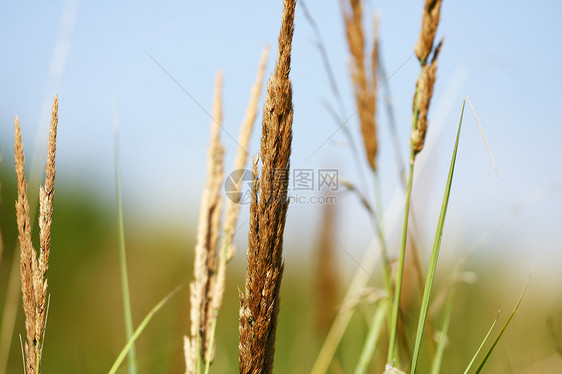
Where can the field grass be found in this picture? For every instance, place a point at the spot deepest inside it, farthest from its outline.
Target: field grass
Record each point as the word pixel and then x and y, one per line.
pixel 86 331
pixel 266 308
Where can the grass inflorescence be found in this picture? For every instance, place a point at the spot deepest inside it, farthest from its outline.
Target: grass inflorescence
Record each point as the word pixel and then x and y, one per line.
pixel 396 318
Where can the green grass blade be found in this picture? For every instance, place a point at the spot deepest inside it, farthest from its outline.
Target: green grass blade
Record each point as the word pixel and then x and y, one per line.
pixel 122 256
pixel 481 345
pixel 130 343
pixel 487 356
pixel 436 366
pixel 435 253
pixel 400 273
pixel 372 338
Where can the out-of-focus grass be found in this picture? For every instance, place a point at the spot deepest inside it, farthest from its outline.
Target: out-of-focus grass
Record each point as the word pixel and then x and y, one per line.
pixel 85 331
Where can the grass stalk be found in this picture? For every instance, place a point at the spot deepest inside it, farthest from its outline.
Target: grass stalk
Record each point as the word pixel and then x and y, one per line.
pixel 372 337
pixel 435 252
pixel 481 344
pixel 138 331
pixel 442 343
pixel 9 312
pixel 364 84
pixel 498 337
pixel 259 305
pixel 400 274
pixel 34 264
pixel 209 355
pixel 422 97
pixel 226 252
pixel 122 257
pixel 203 288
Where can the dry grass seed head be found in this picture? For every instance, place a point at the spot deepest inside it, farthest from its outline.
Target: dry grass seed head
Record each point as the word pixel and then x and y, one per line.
pixel 260 303
pixel 233 207
pixel 28 261
pixel 202 287
pixel 226 250
pixel 424 91
pixel 430 21
pixel 46 194
pixel 375 54
pixel 364 87
pixel 33 270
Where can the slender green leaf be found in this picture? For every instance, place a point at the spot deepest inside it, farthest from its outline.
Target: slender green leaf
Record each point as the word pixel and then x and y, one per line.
pixel 372 338
pixel 143 324
pixel 436 366
pixel 122 256
pixel 487 356
pixel 481 345
pixel 400 274
pixel 435 253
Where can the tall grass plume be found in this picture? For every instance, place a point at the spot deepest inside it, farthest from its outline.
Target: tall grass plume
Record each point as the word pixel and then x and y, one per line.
pixel 34 266
pixel 364 84
pixel 260 301
pixel 197 345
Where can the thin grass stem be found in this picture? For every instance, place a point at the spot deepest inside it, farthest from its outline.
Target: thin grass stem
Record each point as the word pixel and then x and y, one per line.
pixel 400 274
pixel 209 356
pixel 372 338
pixel 435 252
pixel 130 343
pixel 481 344
pixel 123 258
pixel 436 366
pixel 487 356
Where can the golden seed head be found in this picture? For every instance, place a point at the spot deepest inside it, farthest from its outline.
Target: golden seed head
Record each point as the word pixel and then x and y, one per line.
pixel 260 303
pixel 424 92
pixel 430 21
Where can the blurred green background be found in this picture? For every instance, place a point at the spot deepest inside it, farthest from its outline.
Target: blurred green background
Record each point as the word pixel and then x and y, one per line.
pixel 85 329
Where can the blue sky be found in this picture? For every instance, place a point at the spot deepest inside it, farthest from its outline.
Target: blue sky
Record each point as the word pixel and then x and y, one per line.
pixel 504 55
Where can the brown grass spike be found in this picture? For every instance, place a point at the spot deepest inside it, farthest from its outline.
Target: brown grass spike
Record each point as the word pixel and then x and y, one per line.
pixel 28 261
pixel 46 194
pixel 33 270
pixel 364 86
pixel 426 80
pixel 424 89
pixel 430 21
pixel 260 303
